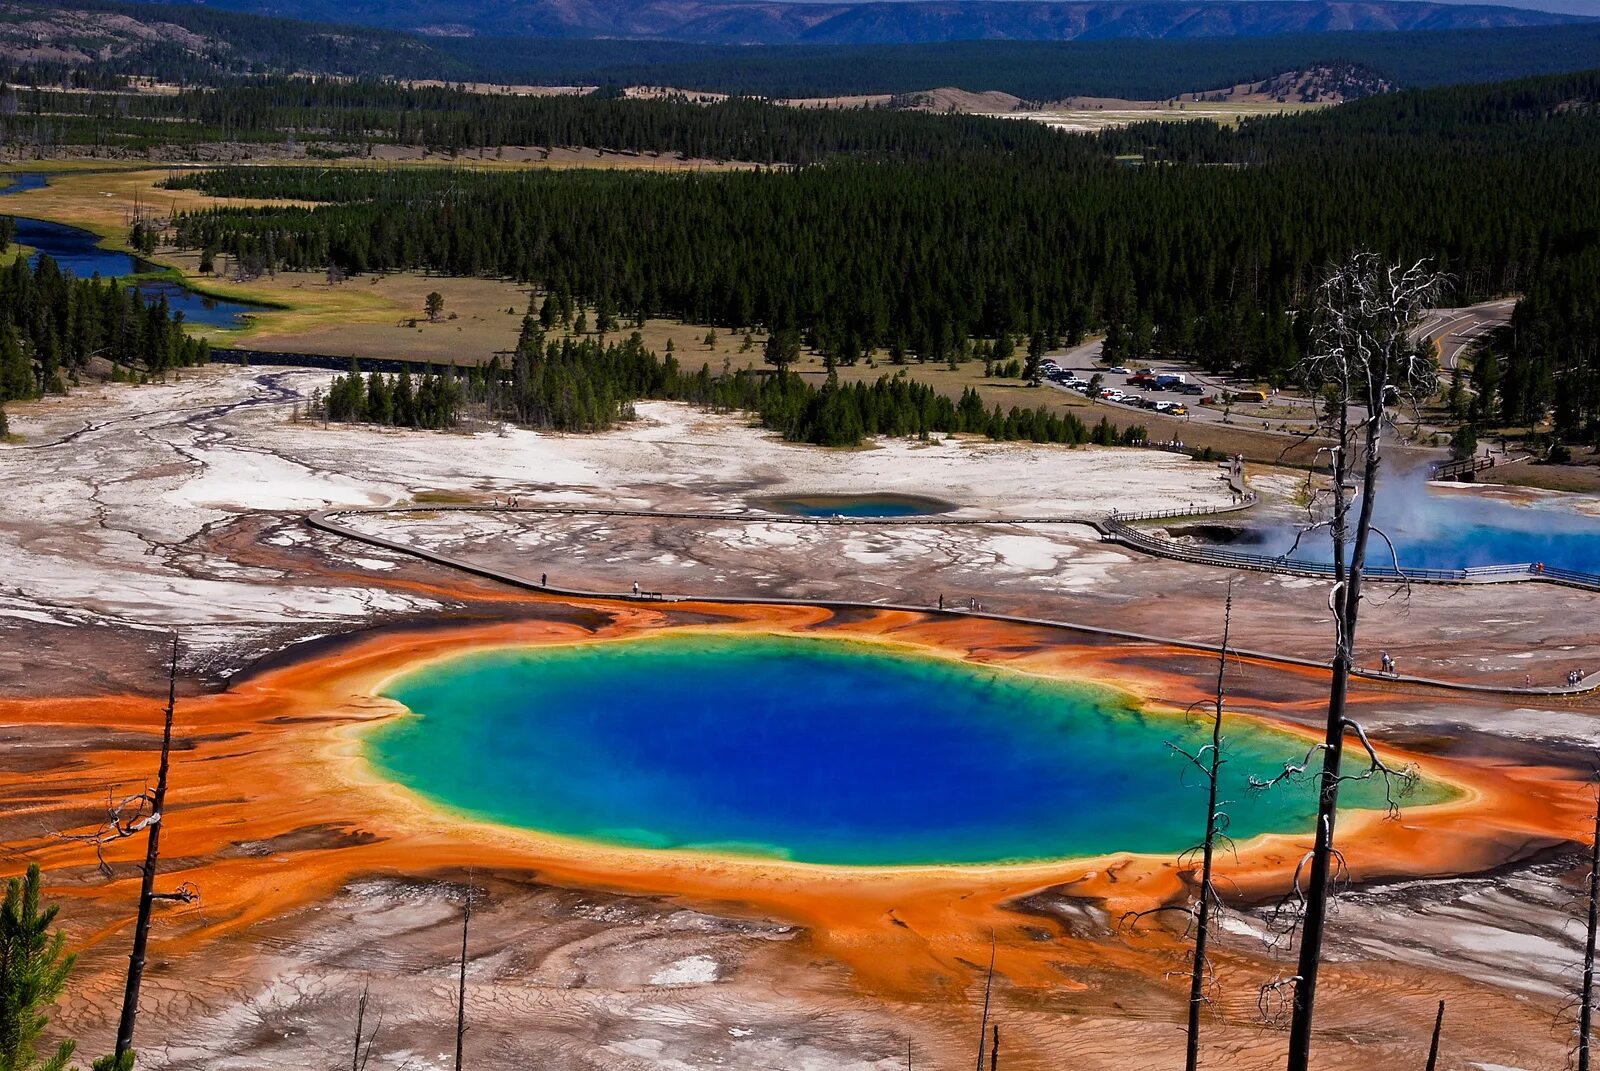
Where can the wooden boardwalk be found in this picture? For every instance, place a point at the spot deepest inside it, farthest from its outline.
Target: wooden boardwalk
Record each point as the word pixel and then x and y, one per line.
pixel 328 521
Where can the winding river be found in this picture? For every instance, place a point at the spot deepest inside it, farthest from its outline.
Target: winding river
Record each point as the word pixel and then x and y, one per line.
pixel 79 251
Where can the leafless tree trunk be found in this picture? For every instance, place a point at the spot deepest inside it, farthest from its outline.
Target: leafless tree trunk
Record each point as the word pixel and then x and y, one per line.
pixel 361 1015
pixel 147 881
pixel 1363 359
pixel 1586 1001
pixel 988 991
pixel 362 1052
pixel 143 812
pixel 1210 760
pixel 461 982
pixel 1433 1046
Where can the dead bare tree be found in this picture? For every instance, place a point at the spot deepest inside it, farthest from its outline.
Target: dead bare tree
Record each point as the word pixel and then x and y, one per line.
pixel 361 1015
pixel 1209 760
pixel 147 881
pixel 1586 999
pixel 141 812
pixel 1433 1046
pixel 461 980
pixel 1365 357
pixel 362 1050
pixel 988 992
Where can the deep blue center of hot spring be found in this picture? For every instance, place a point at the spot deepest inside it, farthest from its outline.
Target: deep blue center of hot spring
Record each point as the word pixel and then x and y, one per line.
pixel 816 750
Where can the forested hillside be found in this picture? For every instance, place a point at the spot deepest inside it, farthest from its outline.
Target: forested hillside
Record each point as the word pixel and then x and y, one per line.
pixel 1038 70
pixel 95 42
pixel 918 258
pixel 337 113
pixel 1548 360
pixel 1532 114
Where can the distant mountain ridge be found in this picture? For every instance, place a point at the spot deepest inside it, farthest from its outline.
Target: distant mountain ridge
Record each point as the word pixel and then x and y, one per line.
pixel 896 21
pixel 104 40
pixel 97 43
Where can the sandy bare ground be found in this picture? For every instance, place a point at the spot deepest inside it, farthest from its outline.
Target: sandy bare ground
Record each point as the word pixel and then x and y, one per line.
pixel 138 482
pixel 130 512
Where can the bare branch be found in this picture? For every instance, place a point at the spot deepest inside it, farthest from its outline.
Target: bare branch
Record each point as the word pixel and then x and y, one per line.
pixel 1364 359
pixel 1398 783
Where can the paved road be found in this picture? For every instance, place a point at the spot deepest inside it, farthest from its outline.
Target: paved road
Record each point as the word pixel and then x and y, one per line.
pixel 1457 329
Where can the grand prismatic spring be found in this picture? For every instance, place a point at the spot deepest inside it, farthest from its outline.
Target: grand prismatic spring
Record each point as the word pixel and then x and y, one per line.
pixel 819 751
pixel 679 743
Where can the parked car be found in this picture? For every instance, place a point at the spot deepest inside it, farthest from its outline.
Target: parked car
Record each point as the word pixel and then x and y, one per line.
pixel 1166 407
pixel 1111 394
pixel 1131 399
pixel 1117 370
pixel 1178 409
pixel 1191 388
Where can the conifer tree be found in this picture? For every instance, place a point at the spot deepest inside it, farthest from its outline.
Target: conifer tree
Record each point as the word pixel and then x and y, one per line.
pixel 34 965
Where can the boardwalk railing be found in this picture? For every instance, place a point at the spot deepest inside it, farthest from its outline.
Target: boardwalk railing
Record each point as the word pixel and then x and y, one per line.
pixel 1450 470
pixel 1246 502
pixel 329 521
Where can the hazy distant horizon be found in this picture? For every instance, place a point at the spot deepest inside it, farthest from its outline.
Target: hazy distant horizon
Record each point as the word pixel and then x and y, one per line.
pixel 1590 8
pixel 1558 7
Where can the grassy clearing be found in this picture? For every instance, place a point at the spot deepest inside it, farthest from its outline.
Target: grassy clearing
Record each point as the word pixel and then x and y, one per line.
pixel 1583 478
pixel 364 317
pixel 442 498
pixel 1121 113
pixel 104 201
